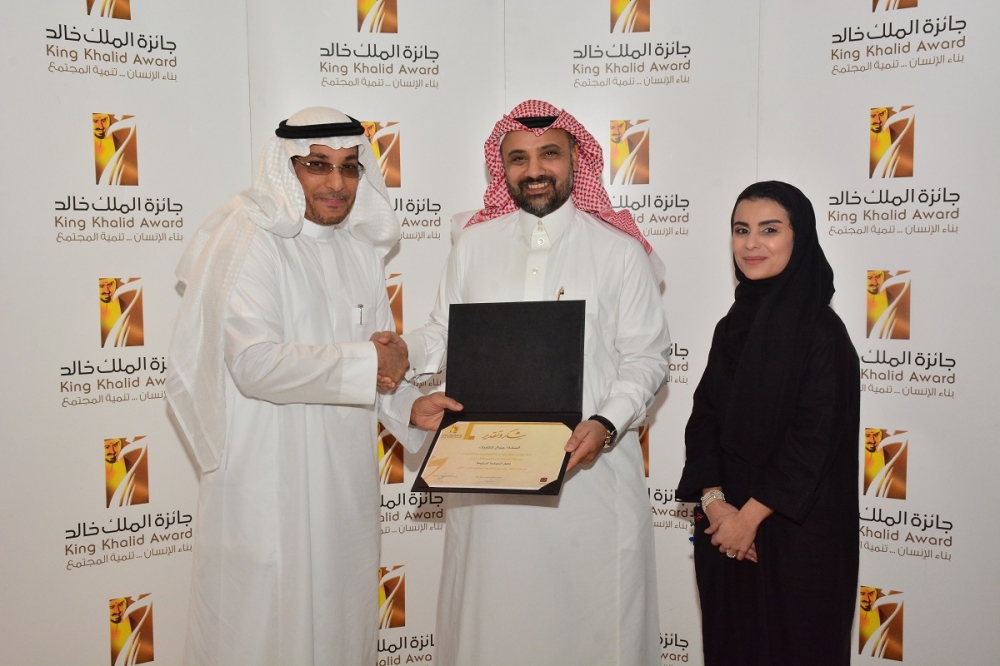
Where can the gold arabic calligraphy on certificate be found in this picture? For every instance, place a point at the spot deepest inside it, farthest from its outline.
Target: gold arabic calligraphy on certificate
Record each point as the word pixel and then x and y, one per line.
pixel 499 455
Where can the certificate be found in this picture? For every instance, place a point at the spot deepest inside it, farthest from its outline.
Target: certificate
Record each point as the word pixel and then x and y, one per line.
pixel 518 370
pixel 497 455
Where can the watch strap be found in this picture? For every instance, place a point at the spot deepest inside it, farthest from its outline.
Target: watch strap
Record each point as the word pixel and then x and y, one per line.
pixel 609 426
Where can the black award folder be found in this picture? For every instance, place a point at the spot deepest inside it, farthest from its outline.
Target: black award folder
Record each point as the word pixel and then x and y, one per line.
pixel 517 369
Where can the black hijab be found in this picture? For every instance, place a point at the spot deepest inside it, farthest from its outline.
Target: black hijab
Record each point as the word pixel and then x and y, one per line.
pixel 769 329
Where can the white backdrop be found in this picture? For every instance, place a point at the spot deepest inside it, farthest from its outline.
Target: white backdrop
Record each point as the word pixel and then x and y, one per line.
pixel 709 97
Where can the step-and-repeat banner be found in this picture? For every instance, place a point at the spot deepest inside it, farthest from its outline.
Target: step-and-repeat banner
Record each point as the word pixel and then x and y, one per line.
pixel 880 110
pixel 128 122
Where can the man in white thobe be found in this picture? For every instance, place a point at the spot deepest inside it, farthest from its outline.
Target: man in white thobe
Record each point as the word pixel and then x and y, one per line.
pixel 572 579
pixel 273 381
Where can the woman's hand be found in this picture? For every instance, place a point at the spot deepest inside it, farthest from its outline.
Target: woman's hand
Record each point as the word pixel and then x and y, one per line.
pixel 718 511
pixel 734 531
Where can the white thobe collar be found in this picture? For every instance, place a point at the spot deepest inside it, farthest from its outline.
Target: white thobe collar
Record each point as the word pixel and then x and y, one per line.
pixel 555 222
pixel 318 231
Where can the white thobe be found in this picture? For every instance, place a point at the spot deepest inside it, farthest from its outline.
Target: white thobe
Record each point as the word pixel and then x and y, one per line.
pixel 286 561
pixel 567 580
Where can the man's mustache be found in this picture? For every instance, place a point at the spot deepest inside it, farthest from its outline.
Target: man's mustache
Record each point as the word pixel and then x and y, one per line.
pixel 531 180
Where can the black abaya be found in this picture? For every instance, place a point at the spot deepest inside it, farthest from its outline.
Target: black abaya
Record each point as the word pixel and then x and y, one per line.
pixel 795 605
pixel 775 419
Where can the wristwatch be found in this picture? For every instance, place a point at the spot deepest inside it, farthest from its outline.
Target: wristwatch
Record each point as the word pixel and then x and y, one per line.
pixel 609 426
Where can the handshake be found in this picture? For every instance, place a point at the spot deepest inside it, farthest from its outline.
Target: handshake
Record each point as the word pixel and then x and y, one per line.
pixel 427 410
pixel 392 359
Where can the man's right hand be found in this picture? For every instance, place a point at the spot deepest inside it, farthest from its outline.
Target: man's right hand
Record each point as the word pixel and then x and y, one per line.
pixel 392 359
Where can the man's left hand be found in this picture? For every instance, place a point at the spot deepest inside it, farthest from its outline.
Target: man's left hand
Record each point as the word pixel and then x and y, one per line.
pixel 428 410
pixel 585 443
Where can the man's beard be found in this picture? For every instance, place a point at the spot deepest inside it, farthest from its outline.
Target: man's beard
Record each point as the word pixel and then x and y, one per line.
pixel 537 206
pixel 330 219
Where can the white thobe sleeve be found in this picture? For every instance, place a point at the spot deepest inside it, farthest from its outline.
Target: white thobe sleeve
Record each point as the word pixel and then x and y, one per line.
pixel 643 342
pixel 394 413
pixel 264 366
pixel 428 345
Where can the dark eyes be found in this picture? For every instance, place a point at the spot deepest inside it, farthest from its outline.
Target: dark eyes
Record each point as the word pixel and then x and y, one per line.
pixel 351 170
pixel 326 167
pixel 520 159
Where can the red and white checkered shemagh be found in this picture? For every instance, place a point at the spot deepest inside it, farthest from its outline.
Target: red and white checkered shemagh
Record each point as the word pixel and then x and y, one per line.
pixel 588 193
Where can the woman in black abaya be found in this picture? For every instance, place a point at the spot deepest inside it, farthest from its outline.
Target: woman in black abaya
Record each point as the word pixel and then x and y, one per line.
pixel 772 451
